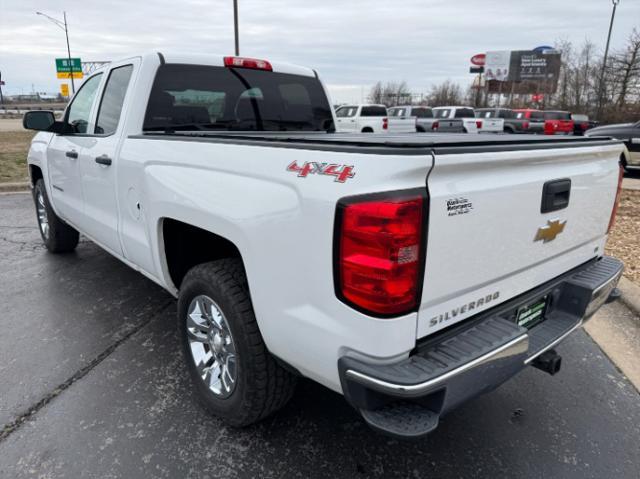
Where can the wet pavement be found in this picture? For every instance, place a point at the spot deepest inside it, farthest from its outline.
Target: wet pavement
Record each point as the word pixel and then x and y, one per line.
pixel 92 385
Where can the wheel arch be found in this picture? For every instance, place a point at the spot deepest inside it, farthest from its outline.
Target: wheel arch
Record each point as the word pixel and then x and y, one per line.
pixel 184 245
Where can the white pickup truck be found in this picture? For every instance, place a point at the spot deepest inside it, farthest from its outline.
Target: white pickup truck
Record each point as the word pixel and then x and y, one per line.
pixel 362 119
pixel 409 272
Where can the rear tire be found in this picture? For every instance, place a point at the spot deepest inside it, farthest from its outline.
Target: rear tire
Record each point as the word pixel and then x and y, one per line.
pixel 367 130
pixel 56 235
pixel 256 385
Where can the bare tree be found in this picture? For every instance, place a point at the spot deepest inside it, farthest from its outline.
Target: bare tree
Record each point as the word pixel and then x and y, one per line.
pixel 390 93
pixel 446 93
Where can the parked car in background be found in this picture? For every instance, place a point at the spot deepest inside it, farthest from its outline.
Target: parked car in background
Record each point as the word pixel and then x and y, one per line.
pixel 453 119
pixel 557 123
pixel 404 119
pixel 527 120
pixel 581 123
pixel 362 119
pixel 627 132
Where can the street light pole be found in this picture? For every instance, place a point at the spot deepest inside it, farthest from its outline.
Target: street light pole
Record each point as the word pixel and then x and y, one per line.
pixel 66 33
pixel 604 60
pixel 63 25
pixel 235 26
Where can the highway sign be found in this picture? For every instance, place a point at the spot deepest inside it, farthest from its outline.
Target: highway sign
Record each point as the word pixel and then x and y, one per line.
pixel 64 89
pixel 65 67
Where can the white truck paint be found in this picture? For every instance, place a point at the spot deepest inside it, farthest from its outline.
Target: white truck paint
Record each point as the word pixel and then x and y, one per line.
pixel 274 195
pixel 362 119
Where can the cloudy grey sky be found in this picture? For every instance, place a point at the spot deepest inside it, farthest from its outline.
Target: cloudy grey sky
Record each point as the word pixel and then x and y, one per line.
pixel 352 43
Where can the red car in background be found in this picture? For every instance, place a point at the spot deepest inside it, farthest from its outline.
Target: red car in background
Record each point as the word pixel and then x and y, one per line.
pixel 558 123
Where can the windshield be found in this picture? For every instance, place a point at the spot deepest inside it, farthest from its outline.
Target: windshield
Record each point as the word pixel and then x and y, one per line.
pixel 397 112
pixel 197 97
pixel 485 113
pixel 441 112
pixel 346 111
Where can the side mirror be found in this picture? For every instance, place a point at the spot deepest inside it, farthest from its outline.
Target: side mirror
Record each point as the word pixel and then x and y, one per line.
pixel 38 120
pixel 46 121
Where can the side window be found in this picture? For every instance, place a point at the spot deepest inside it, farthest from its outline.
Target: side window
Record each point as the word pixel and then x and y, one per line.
pixel 112 100
pixel 80 108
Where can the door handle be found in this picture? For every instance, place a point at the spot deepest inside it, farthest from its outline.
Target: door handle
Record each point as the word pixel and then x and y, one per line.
pixel 103 160
pixel 72 154
pixel 555 195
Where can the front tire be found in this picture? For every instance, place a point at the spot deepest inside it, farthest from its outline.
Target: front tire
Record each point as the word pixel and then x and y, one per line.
pixel 232 372
pixel 56 235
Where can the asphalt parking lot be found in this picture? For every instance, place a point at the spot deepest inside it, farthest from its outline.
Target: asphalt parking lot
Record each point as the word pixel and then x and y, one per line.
pixel 92 385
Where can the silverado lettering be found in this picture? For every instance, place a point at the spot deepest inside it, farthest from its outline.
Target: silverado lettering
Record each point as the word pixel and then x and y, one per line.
pixel 463 309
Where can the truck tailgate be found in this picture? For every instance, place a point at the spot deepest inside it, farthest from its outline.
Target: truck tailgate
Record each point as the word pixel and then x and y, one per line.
pixel 493 125
pixel 488 240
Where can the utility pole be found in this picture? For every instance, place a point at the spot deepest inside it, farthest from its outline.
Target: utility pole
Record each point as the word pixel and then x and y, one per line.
pixel 235 26
pixel 604 60
pixel 1 99
pixel 63 25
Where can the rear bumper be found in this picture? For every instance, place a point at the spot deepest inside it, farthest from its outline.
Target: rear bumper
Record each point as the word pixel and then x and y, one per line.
pixel 407 398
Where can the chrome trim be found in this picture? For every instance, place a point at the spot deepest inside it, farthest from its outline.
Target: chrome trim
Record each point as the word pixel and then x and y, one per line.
pixel 514 346
pixel 553 343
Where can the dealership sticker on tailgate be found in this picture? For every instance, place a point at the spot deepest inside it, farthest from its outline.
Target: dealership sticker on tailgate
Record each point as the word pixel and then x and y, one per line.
pixel 531 314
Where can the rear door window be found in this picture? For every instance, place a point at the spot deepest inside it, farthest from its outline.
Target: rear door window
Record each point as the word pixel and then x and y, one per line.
pixel 441 112
pixel 536 115
pixel 200 97
pixel 112 100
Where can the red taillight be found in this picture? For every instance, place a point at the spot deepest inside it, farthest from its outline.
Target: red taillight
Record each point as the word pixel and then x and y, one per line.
pixel 525 125
pixel 379 253
pixel 241 62
pixel 435 125
pixel 614 211
pixel 385 123
pixel 479 124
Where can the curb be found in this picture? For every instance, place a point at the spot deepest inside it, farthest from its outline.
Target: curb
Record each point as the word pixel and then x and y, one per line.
pixel 630 294
pixel 14 187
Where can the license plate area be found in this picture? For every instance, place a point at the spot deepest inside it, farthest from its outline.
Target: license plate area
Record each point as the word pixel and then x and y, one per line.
pixel 532 313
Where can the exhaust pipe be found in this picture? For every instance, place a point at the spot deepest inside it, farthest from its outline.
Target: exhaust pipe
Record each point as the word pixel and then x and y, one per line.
pixel 549 362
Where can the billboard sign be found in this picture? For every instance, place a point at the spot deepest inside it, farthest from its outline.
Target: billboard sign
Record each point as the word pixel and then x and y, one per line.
pixel 497 65
pixel 523 71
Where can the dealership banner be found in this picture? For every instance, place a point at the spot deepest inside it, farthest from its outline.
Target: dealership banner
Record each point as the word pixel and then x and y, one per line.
pixel 522 71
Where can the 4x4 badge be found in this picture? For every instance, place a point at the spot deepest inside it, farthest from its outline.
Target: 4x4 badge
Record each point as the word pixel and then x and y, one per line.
pixel 550 231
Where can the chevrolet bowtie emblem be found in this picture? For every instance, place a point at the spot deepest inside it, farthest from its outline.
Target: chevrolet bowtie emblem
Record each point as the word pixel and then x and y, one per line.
pixel 549 232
